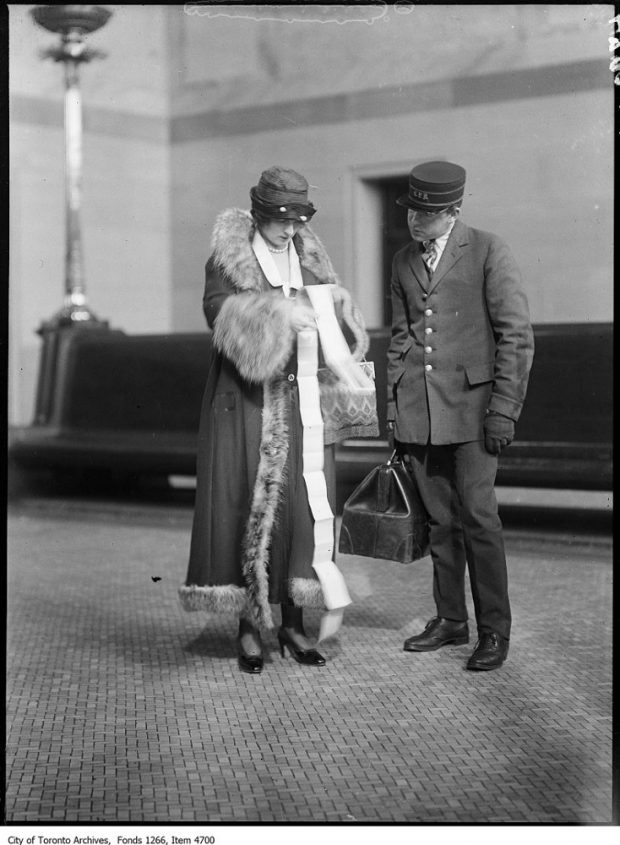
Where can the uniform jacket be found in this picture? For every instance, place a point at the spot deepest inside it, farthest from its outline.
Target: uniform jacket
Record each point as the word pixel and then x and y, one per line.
pixel 243 438
pixel 462 343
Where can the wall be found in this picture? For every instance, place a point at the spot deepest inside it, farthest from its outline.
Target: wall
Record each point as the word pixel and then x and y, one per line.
pixel 547 201
pixel 519 95
pixel 194 100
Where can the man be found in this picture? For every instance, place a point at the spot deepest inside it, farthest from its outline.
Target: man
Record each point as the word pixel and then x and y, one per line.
pixel 458 366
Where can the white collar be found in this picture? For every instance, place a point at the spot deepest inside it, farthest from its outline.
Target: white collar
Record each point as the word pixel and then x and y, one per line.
pixel 440 243
pixel 269 268
pixel 443 240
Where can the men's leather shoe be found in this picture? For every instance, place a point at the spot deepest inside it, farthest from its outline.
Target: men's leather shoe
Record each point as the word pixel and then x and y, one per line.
pixel 438 632
pixel 490 652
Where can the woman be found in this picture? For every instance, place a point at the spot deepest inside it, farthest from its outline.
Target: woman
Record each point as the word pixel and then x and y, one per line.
pixel 252 537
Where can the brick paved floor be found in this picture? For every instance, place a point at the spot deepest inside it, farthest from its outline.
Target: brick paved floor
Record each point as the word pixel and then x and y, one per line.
pixel 121 707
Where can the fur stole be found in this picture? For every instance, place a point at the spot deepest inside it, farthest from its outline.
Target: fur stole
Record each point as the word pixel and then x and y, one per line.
pixel 231 244
pixel 254 330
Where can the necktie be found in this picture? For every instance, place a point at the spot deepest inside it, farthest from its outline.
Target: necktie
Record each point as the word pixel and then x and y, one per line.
pixel 429 256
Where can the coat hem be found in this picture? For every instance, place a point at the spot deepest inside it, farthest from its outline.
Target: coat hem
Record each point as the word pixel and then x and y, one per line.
pixel 228 598
pixel 306 592
pixel 218 599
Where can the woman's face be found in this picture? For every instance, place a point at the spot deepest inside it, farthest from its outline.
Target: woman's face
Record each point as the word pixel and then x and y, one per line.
pixel 278 233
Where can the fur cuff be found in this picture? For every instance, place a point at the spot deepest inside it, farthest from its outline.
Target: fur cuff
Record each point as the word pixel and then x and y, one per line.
pixel 254 331
pixel 225 599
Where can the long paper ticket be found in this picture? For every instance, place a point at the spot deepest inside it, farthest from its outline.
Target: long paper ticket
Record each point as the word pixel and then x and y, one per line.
pixel 335 348
pixel 332 583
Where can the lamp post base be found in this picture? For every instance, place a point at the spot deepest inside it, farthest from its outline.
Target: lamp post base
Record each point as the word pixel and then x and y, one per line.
pixel 76 316
pixel 56 334
pixel 74 313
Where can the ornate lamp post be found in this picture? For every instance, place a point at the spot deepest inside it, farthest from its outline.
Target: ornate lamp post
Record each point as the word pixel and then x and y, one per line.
pixel 73 23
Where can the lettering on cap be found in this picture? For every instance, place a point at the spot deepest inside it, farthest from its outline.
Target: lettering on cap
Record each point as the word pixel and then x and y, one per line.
pixel 421 195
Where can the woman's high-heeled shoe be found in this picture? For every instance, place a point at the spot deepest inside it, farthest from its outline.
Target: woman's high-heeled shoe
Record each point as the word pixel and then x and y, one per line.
pixel 307 657
pixel 250 663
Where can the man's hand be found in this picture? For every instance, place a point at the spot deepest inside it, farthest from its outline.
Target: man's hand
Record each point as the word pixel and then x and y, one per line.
pixel 499 432
pixel 395 445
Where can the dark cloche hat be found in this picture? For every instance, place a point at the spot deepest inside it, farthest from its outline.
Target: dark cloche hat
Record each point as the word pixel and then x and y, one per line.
pixel 434 185
pixel 282 194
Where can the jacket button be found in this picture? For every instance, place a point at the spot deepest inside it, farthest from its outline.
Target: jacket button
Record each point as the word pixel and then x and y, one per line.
pixel 428 367
pixel 428 312
pixel 291 377
pixel 428 331
pixel 428 349
pixel 425 296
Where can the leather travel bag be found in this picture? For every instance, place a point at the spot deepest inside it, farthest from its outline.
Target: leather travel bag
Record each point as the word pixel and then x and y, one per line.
pixel 384 516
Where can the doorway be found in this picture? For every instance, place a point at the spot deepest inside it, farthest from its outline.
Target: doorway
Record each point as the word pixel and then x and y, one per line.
pixel 378 230
pixel 395 233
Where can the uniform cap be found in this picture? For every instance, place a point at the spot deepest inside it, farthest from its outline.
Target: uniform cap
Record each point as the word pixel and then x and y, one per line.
pixel 434 185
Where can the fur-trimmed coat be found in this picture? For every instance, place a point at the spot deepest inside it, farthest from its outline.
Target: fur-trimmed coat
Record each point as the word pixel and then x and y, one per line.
pixel 244 430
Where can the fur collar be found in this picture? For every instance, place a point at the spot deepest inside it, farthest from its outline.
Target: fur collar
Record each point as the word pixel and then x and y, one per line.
pixel 232 251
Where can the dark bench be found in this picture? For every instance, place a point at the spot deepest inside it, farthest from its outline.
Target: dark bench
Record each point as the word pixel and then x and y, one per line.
pixel 123 402
pixel 131 404
pixel 564 434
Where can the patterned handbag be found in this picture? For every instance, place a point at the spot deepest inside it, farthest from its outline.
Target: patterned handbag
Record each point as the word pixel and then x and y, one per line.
pixel 351 411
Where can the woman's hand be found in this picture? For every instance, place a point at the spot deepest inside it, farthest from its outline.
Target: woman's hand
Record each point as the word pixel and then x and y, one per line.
pixel 302 317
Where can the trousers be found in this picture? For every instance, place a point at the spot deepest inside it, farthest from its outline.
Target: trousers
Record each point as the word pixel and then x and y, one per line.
pixel 457 485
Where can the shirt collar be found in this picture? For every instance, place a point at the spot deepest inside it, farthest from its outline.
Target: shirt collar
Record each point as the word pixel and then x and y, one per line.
pixel 441 242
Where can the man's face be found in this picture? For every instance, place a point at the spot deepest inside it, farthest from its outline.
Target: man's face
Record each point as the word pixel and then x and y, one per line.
pixel 425 225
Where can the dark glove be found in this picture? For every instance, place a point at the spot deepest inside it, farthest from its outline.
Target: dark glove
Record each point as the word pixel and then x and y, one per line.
pixel 394 444
pixel 390 434
pixel 499 432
